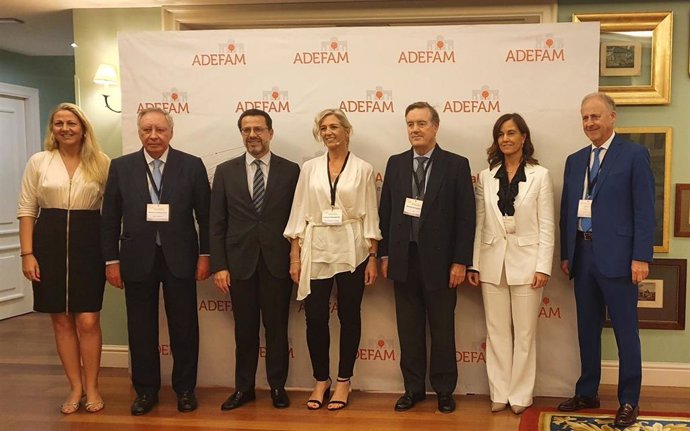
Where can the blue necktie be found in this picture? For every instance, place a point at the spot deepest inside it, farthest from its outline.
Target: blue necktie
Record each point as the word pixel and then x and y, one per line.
pixel 156 179
pixel 593 173
pixel 259 189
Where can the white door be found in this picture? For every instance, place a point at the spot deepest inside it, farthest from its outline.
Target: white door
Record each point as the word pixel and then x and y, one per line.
pixel 19 138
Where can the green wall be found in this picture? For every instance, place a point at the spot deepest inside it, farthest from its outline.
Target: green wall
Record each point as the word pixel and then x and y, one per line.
pixel 657 345
pixel 95 31
pixel 53 76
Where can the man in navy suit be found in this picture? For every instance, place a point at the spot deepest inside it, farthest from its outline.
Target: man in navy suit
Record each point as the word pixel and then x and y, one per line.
pixel 250 206
pixel 427 215
pixel 607 241
pixel 149 237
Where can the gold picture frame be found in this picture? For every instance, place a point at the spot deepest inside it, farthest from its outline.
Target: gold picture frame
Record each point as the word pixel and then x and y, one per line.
pixel 654 32
pixel 659 142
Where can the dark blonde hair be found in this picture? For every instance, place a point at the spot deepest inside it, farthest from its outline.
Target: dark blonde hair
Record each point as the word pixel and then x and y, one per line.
pixel 94 164
pixel 339 114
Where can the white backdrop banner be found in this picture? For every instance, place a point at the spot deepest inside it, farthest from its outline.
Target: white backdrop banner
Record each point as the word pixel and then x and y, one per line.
pixel 471 74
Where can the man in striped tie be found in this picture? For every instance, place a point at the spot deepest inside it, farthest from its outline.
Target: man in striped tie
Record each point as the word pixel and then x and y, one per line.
pixel 250 205
pixel 607 238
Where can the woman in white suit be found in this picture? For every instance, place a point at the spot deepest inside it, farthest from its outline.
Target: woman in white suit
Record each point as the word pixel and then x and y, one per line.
pixel 513 252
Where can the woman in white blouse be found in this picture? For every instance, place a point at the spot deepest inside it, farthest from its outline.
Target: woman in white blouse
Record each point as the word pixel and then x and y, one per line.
pixel 59 230
pixel 513 252
pixel 334 231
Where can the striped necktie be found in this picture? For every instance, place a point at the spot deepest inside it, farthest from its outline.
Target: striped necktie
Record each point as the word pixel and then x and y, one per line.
pixel 259 188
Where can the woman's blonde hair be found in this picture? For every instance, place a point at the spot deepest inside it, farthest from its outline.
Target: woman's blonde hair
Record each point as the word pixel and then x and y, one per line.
pixel 339 114
pixel 94 164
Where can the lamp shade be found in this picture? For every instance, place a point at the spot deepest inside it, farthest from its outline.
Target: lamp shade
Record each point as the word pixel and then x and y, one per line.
pixel 106 75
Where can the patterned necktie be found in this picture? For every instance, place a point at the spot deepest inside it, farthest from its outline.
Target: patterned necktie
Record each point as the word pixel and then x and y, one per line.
pixel 259 189
pixel 593 173
pixel 421 176
pixel 156 179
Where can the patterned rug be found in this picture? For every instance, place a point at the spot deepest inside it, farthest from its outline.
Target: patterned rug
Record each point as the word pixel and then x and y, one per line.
pixel 549 419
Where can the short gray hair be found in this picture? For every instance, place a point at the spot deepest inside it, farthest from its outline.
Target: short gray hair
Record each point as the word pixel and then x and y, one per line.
pixel 608 100
pixel 145 111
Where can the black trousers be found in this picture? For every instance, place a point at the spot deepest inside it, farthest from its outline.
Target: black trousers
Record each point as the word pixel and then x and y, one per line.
pixel 317 311
pixel 179 296
pixel 415 303
pixel 261 298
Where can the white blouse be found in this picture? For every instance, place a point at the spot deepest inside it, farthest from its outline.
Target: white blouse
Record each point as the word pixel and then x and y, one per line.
pixel 326 249
pixel 46 184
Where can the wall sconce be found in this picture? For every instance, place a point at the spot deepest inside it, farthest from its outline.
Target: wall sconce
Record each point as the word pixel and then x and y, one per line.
pixel 106 75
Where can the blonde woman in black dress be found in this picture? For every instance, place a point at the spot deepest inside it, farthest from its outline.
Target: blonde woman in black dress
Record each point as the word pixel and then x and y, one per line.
pixel 59 230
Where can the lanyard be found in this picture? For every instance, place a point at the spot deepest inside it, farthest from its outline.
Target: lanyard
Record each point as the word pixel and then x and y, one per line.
pixel 334 184
pixel 155 188
pixel 418 181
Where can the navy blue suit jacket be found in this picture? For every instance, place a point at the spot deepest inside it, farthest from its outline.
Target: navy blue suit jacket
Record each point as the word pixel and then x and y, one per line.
pixel 622 207
pixel 129 238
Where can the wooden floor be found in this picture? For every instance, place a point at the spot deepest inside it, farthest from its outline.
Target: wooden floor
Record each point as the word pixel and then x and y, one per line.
pixel 32 385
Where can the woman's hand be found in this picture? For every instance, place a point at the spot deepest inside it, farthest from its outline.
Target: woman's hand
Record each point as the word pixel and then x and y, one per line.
pixel 30 268
pixel 473 278
pixel 540 280
pixel 370 272
pixel 295 269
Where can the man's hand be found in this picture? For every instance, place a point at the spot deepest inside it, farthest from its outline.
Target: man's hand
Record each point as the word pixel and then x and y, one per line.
pixel 564 267
pixel 457 275
pixel 640 271
pixel 203 268
pixel 112 274
pixel 222 280
pixel 384 267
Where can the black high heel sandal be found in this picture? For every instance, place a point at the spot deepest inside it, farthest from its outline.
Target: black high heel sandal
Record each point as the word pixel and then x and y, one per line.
pixel 334 405
pixel 319 403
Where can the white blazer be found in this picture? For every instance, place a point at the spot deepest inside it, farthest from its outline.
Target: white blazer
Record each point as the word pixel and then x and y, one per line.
pixel 530 249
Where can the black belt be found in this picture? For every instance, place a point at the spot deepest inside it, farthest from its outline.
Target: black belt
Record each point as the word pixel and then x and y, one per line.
pixel 587 236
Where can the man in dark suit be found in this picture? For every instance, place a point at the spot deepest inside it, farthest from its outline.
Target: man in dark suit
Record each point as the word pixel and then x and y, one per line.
pixel 250 206
pixel 150 202
pixel 427 214
pixel 607 241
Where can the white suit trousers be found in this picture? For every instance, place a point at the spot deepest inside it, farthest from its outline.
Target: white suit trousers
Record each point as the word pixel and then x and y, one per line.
pixel 511 353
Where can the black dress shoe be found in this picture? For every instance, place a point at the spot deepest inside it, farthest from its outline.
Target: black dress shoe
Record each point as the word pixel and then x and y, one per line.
pixel 143 404
pixel 238 399
pixel 578 403
pixel 186 402
pixel 408 400
pixel 626 416
pixel 280 398
pixel 446 403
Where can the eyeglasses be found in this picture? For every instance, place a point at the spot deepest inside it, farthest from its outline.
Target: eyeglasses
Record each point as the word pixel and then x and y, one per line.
pixel 257 130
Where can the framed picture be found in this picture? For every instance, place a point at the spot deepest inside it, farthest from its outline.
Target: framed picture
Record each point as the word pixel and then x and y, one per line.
pixel 658 141
pixel 630 76
pixel 661 297
pixel 620 58
pixel 682 225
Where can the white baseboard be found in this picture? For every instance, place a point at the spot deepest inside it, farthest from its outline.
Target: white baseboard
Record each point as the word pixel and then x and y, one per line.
pixel 115 356
pixel 672 374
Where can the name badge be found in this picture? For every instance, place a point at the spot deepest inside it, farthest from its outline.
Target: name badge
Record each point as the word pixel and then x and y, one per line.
pixel 413 207
pixel 332 217
pixel 584 208
pixel 509 223
pixel 158 212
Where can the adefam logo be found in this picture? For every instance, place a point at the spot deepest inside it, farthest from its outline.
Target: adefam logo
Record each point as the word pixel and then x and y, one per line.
pixel 377 350
pixel 439 50
pixel 474 356
pixel 549 310
pixel 376 100
pixel 332 306
pixel 332 51
pixel 173 101
pixel 484 99
pixel 273 100
pixel 547 49
pixel 229 53
pixel 223 305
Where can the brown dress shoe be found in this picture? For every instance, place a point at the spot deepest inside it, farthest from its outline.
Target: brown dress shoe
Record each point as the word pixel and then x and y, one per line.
pixel 579 403
pixel 626 416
